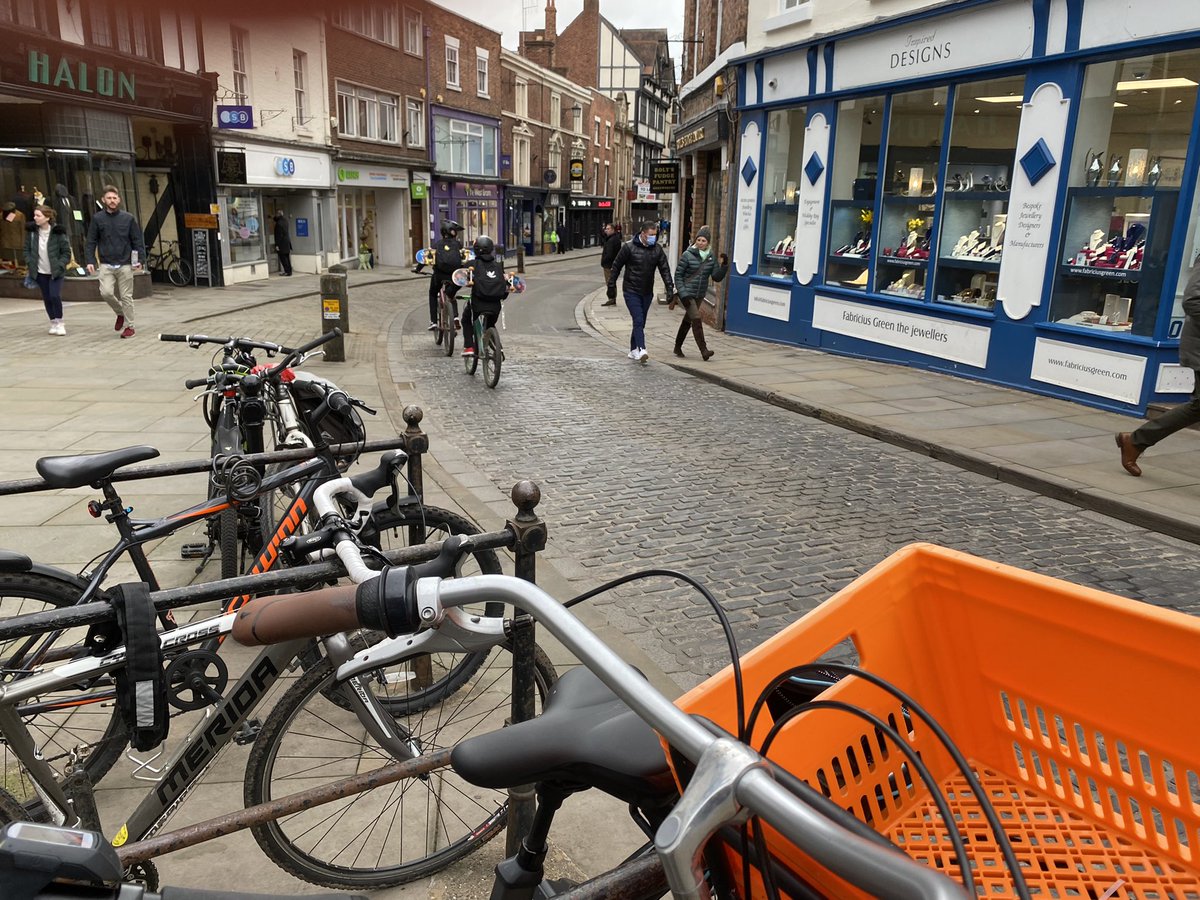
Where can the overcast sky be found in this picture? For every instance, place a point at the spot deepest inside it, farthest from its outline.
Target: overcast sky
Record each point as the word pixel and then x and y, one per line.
pixel 509 18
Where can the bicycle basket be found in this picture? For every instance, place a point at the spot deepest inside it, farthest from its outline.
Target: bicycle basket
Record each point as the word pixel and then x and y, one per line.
pixel 1071 705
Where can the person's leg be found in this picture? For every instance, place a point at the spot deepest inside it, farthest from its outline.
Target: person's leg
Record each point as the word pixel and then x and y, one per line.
pixel 108 283
pixel 53 295
pixel 452 295
pixel 43 283
pixel 693 318
pixel 1171 421
pixel 684 327
pixel 647 302
pixel 125 293
pixel 468 326
pixel 434 284
pixel 637 312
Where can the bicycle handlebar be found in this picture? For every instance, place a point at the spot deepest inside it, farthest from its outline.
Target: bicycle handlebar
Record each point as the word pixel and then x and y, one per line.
pixel 235 343
pixel 135 892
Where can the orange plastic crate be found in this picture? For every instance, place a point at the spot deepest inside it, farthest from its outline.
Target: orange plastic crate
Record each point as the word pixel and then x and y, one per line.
pixel 1076 708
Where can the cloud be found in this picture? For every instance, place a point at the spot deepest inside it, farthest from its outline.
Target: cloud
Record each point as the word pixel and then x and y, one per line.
pixel 510 17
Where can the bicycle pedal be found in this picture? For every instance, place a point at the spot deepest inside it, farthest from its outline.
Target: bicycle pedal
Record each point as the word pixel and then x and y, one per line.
pixel 248 733
pixel 193 551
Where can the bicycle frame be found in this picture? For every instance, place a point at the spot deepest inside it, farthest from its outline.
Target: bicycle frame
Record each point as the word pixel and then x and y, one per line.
pixel 206 740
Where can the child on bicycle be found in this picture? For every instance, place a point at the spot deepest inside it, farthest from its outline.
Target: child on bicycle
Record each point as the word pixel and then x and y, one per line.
pixel 489 287
pixel 447 258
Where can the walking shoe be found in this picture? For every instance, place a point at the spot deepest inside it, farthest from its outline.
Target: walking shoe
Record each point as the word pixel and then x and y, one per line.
pixel 457 324
pixel 62 329
pixel 679 352
pixel 128 332
pixel 708 354
pixel 632 354
pixel 468 351
pixel 432 326
pixel 120 323
pixel 53 328
pixel 609 303
pixel 1129 453
pixel 643 356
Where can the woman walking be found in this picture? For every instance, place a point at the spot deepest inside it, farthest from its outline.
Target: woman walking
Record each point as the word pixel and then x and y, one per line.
pixel 696 265
pixel 47 255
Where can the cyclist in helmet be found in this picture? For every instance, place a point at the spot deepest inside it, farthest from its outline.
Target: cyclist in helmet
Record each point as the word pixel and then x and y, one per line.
pixel 447 257
pixel 489 287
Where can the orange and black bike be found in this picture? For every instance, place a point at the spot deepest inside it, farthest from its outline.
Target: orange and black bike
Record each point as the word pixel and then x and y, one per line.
pixel 84 724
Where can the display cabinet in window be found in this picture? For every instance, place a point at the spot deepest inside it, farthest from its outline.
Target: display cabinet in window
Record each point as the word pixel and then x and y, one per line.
pixel 974 223
pixel 782 162
pixel 851 225
pixel 1114 250
pixel 905 236
pixel 779 227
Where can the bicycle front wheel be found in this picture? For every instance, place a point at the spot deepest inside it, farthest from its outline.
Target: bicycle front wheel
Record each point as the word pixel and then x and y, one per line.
pixel 394 833
pixel 492 357
pixel 447 317
pixel 80 720
pixel 180 272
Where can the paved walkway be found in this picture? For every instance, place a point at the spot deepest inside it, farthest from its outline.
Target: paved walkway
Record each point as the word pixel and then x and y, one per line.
pixel 1053 447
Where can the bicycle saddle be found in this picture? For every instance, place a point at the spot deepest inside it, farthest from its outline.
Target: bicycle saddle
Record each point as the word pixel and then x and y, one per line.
pixel 585 737
pixel 76 471
pixel 14 562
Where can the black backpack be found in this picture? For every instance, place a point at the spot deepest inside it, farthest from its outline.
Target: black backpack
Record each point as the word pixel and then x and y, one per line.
pixel 488 280
pixel 448 257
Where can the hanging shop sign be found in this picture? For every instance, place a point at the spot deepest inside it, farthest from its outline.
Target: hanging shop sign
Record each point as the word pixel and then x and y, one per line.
pixel 235 116
pixel 664 177
pixel 936 46
pixel 231 167
pixel 199 220
pixel 419 190
pixel 577 170
pixel 938 338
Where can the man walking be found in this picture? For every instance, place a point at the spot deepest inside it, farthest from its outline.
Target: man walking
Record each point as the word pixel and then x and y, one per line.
pixel 612 245
pixel 1185 414
pixel 640 258
pixel 283 244
pixel 117 239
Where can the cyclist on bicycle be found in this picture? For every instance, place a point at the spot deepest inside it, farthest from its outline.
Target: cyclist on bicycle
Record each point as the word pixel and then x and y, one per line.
pixel 446 258
pixel 489 287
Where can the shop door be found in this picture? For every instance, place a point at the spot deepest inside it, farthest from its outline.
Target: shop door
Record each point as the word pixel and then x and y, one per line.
pixel 416 230
pixel 272 204
pixel 713 204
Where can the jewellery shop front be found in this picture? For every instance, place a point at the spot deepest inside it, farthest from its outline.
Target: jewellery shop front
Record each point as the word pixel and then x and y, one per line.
pixel 1006 191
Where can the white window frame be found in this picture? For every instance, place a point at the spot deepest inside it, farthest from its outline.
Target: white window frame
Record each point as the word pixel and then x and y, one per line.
pixel 596 132
pixel 300 83
pixel 521 144
pixel 413 28
pixel 378 21
pixel 389 118
pixel 452 59
pixel 607 134
pixel 607 179
pixel 577 119
pixel 521 98
pixel 238 39
pixel 554 161
pixel 347 110
pixel 416 136
pixel 365 114
pixel 556 110
pixel 481 72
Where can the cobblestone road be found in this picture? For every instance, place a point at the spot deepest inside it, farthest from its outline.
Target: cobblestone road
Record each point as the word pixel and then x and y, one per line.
pixel 643 466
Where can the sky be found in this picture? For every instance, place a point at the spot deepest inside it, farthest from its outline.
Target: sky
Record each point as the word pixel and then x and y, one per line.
pixel 507 17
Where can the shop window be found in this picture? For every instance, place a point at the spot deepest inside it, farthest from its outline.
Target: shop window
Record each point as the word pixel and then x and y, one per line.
pixel 910 179
pixel 853 184
pixel 783 166
pixel 983 142
pixel 245 227
pixel 1135 122
pixel 1190 259
pixel 465 148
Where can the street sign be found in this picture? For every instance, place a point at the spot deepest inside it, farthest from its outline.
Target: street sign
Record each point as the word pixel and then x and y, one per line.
pixel 331 308
pixel 301 227
pixel 664 177
pixel 199 220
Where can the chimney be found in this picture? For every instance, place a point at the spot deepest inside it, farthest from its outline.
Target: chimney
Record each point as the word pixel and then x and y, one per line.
pixel 551 21
pixel 591 6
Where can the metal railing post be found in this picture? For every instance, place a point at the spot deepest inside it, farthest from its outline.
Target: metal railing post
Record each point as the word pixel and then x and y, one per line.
pixel 416 445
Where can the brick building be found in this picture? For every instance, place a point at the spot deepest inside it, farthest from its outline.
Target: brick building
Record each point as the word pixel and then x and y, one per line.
pixel 464 131
pixel 704 140
pixel 376 63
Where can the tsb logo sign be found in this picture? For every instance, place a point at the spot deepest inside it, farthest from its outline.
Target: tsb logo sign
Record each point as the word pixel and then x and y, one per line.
pixel 285 165
pixel 235 117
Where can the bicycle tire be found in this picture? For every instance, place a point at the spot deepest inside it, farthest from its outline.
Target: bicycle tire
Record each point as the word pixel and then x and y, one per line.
pixel 288 755
pixel 492 357
pixel 227 531
pixel 447 316
pixel 471 363
pixel 11 810
pixel 97 726
pixel 447 671
pixel 180 272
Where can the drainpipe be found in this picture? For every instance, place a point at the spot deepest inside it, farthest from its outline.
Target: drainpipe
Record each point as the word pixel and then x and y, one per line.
pixel 429 138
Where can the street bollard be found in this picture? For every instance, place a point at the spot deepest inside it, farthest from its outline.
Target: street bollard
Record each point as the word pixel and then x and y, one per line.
pixel 335 310
pixel 521 258
pixel 529 536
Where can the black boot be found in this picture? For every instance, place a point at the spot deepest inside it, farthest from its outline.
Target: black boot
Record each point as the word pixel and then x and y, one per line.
pixel 698 334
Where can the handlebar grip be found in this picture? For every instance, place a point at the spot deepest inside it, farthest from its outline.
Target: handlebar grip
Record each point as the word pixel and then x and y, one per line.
pixel 174 338
pixel 284 617
pixel 318 341
pixel 338 402
pixel 192 383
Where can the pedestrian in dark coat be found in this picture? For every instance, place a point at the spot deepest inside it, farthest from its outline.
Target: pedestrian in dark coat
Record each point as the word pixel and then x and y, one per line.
pixel 612 246
pixel 47 255
pixel 697 264
pixel 283 244
pixel 639 259
pixel 1185 414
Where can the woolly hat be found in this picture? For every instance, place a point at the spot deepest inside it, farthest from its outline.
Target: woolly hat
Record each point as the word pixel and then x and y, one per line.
pixel 704 232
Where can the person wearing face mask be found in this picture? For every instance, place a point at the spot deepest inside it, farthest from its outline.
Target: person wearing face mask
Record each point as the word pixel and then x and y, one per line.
pixel 696 265
pixel 639 259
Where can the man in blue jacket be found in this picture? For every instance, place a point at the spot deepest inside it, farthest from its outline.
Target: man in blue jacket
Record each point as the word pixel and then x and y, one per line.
pixel 115 240
pixel 640 258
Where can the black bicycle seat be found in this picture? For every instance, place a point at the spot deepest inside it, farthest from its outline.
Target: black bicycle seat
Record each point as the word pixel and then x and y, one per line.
pixel 585 738
pixel 14 562
pixel 76 471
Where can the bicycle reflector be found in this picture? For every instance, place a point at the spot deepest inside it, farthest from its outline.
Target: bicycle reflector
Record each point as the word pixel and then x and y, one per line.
pixel 95 509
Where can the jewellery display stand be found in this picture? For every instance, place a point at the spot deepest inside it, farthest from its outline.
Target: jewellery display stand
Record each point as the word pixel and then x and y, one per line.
pixel 849 245
pixel 904 248
pixel 1115 245
pixel 778 251
pixel 972 243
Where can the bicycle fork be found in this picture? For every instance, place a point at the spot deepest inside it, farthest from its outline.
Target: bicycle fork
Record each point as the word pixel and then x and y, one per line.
pixel 371 714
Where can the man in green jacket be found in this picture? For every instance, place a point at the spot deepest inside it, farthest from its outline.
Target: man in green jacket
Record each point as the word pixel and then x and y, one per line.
pixel 696 265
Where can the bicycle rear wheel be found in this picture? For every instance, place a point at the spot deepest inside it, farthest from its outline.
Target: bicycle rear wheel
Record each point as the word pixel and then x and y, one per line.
pixel 180 272
pixel 394 833
pixel 492 357
pixel 79 720
pixel 446 315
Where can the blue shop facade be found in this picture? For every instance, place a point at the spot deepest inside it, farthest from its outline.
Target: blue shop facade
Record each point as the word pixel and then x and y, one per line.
pixel 1004 190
